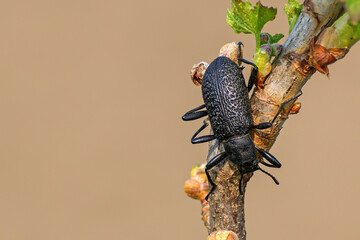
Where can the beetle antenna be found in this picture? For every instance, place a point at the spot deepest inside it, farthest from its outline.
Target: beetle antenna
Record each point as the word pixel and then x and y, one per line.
pixel 273 178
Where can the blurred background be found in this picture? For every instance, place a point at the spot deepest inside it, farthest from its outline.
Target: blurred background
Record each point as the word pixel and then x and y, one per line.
pixel 92 145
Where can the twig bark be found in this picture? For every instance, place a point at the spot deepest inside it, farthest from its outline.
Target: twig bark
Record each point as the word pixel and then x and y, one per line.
pixel 290 71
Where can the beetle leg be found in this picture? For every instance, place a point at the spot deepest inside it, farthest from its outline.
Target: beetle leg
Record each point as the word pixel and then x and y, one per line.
pixel 263 125
pixel 241 192
pixel 240 53
pixel 193 114
pixel 269 124
pixel 283 104
pixel 202 139
pixel 212 163
pixel 268 156
pixel 254 70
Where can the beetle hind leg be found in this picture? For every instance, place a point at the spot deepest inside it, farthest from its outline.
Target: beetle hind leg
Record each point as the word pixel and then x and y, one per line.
pixel 283 104
pixel 265 125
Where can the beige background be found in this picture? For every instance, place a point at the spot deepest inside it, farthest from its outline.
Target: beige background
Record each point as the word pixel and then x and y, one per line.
pixel 91 141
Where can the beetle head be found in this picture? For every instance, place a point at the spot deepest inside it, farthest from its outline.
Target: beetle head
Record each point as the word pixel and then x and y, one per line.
pixel 241 151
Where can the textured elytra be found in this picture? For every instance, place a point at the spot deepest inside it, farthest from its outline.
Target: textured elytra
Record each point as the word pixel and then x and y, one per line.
pixel 226 99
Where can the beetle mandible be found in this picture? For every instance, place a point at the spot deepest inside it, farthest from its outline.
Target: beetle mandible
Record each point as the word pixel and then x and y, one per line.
pixel 228 106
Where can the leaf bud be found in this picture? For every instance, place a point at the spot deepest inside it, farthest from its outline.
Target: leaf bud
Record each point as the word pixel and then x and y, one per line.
pixel 197 186
pixel 222 235
pixel 264 38
pixel 266 49
pixel 197 72
pixel 276 49
pixel 231 50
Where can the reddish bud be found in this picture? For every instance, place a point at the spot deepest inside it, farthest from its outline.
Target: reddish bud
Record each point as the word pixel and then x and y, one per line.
pixel 295 108
pixel 266 48
pixel 276 49
pixel 321 57
pixel 264 38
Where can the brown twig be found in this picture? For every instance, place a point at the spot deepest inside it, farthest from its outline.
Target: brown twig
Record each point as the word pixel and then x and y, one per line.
pixel 290 71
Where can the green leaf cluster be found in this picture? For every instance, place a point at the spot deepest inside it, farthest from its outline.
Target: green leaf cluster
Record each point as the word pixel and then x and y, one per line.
pixel 249 19
pixel 292 10
pixel 356 29
pixel 245 18
pixel 347 32
pixel 353 8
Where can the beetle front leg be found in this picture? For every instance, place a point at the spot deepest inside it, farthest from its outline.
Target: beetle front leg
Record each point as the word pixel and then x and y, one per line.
pixel 268 156
pixel 195 114
pixel 253 74
pixel 212 163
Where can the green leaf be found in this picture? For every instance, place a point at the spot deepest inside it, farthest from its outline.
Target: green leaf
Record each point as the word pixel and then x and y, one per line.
pixel 348 33
pixel 245 18
pixel 356 31
pixel 235 22
pixel 353 8
pixel 342 34
pixel 292 10
pixel 276 38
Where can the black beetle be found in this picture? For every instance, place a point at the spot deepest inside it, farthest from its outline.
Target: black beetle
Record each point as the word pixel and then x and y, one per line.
pixel 228 106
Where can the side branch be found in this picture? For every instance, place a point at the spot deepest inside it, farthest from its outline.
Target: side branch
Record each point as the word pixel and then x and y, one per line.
pixel 291 70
